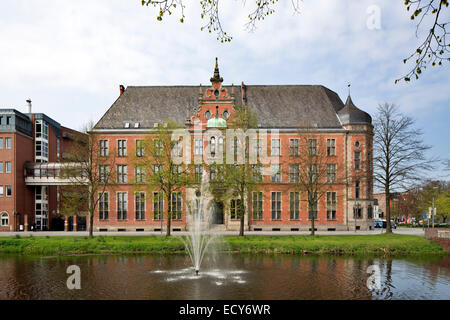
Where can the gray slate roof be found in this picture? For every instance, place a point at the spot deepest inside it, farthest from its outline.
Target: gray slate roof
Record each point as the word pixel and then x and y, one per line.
pixel 277 106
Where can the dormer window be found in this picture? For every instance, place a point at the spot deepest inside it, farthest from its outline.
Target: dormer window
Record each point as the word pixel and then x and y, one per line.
pixel 127 125
pixel 136 125
pixel 208 115
pixel 216 93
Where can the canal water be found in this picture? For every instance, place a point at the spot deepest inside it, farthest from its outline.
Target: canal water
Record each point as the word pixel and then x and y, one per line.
pixel 225 276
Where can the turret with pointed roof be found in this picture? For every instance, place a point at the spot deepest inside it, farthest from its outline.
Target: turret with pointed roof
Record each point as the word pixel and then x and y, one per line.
pixel 216 78
pixel 350 114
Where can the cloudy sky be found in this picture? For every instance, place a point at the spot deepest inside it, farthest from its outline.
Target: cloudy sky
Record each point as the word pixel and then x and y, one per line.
pixel 70 57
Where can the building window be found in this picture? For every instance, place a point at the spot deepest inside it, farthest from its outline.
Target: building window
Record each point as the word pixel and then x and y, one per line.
pixel 212 173
pixel 58 149
pixel 139 174
pixel 7 143
pixel 198 173
pixel 122 205
pixel 104 148
pixel 103 206
pixel 139 148
pixel 212 146
pixel 257 173
pixel 357 189
pixel 276 172
pixel 370 212
pixel 294 173
pixel 198 147
pixel 331 173
pixel 176 205
pixel 1 167
pixel 122 173
pixel 139 205
pixel 8 191
pixel 4 219
pixel 275 147
pixel 176 150
pixel 294 205
pixel 122 148
pixel 331 147
pixel 257 205
pixel 312 205
pixel 257 147
pixel 235 147
pixel 312 173
pixel 235 209
pixel 331 205
pixel 41 129
pixel 357 160
pixel 1 191
pixel 276 205
pixel 293 147
pixel 220 145
pixel 357 212
pixel 312 147
pixel 1 143
pixel 176 171
pixel 158 205
pixel 103 173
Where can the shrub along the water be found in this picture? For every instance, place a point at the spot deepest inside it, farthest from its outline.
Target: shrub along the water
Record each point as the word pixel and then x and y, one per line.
pixel 383 244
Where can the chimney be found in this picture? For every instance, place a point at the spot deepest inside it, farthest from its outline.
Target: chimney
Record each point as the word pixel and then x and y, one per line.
pixel 244 93
pixel 29 106
pixel 122 89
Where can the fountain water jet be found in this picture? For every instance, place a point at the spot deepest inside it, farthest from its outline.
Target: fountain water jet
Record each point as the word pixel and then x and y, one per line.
pixel 200 233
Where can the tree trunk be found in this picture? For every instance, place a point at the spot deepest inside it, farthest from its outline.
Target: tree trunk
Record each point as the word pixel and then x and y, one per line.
pixel 241 230
pixel 169 216
pixel 91 213
pixel 91 224
pixel 312 225
pixel 388 210
pixel 242 216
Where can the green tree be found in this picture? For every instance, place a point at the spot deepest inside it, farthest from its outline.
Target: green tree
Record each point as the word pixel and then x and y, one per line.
pixel 156 158
pixel 89 172
pixel 235 182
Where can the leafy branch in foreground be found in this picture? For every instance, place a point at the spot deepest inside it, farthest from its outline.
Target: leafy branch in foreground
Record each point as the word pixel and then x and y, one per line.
pixel 434 49
pixel 210 13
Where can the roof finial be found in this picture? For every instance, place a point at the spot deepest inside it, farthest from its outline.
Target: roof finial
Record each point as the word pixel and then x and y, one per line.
pixel 349 85
pixel 216 77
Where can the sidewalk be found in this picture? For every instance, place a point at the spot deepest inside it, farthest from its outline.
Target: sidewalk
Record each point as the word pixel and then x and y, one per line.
pixel 405 231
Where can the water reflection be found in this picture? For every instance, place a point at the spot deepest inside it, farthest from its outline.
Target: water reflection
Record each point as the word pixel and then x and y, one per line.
pixel 224 277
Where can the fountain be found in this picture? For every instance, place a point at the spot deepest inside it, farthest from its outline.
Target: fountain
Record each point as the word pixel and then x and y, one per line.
pixel 200 233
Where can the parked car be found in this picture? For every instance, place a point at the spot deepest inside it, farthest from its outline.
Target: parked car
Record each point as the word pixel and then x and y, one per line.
pixel 382 224
pixel 378 224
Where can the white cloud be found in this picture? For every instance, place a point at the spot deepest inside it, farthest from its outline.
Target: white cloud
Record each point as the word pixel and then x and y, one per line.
pixel 71 56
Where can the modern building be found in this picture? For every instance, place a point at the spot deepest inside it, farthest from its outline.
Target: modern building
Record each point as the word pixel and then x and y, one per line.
pixel 30 143
pixel 285 112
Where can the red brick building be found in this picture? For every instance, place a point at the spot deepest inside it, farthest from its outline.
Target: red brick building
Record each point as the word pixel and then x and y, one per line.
pixel 26 140
pixel 285 112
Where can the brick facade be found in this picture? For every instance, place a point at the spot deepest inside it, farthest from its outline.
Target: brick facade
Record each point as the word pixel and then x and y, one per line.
pixel 214 101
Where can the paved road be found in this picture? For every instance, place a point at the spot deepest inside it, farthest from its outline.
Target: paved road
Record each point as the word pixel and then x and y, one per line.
pixel 407 231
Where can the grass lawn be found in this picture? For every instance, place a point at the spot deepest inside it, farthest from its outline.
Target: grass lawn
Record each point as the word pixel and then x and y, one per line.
pixel 382 244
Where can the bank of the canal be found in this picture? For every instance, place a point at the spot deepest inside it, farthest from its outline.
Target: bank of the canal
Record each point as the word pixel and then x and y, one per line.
pixel 381 244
